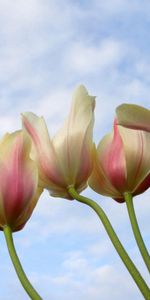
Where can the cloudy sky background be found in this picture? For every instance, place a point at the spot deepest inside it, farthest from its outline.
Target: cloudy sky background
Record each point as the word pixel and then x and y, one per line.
pixel 47 48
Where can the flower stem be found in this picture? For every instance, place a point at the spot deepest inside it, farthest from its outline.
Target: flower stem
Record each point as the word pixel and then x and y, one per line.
pixel 137 234
pixel 17 265
pixel 115 241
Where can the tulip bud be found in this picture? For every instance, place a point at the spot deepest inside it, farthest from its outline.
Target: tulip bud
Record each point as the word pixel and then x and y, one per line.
pixel 133 116
pixel 67 158
pixel 121 163
pixel 18 181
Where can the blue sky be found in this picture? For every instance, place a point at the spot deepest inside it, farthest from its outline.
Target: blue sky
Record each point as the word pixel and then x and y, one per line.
pixel 47 48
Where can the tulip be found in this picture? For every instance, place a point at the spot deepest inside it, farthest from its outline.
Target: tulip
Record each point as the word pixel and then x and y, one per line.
pixel 137 118
pixel 65 160
pixel 133 116
pixel 18 181
pixel 121 163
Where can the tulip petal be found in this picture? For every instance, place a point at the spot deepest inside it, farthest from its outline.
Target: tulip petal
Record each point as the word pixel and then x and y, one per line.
pixel 27 212
pixel 99 180
pixel 73 143
pixel 43 151
pixel 112 158
pixel 136 145
pixel 143 186
pixel 133 116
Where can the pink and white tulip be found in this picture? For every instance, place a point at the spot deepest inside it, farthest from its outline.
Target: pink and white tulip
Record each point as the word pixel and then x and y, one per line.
pixel 19 190
pixel 121 163
pixel 65 160
pixel 133 116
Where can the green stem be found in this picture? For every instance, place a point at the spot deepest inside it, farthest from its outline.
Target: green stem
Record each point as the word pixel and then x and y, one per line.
pixel 116 242
pixel 17 265
pixel 137 234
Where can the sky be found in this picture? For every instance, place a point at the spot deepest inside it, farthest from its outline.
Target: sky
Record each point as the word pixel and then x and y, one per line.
pixel 47 49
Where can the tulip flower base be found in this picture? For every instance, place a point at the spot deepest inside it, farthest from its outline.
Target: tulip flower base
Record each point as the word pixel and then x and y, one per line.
pixel 65 165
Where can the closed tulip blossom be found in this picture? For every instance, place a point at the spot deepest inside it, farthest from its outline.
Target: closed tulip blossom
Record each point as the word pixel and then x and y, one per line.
pixel 121 163
pixel 137 118
pixel 18 181
pixel 133 116
pixel 65 160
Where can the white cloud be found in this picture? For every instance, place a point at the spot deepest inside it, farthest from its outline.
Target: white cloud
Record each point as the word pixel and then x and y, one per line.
pixel 93 282
pixel 86 58
pixel 112 8
pixel 79 277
